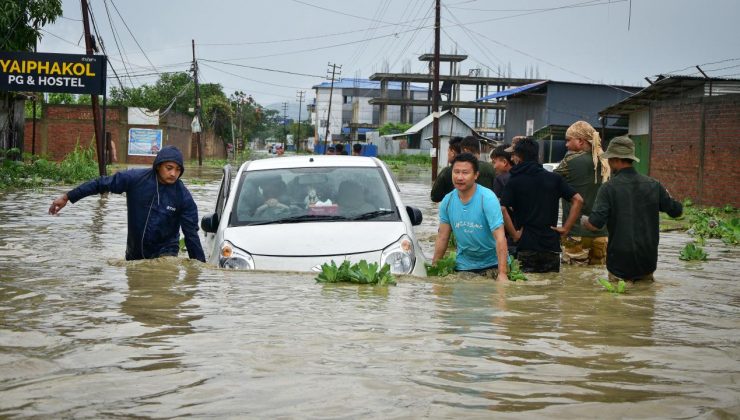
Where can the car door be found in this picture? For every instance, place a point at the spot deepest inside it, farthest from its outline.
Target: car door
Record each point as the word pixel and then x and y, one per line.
pixel 223 195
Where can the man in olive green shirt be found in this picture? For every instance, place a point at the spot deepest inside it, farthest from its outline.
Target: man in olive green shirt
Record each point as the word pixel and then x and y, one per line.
pixel 443 183
pixel 584 172
pixel 629 204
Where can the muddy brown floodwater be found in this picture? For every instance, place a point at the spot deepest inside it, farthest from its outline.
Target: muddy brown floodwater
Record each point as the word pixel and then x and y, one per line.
pixel 85 334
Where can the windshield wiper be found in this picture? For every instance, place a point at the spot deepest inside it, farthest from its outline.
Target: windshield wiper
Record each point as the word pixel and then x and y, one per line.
pixel 372 214
pixel 298 219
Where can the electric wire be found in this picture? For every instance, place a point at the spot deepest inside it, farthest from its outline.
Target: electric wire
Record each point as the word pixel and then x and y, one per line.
pixel 132 35
pixel 262 68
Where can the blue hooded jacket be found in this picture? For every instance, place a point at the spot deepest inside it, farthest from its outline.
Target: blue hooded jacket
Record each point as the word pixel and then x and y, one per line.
pixel 156 212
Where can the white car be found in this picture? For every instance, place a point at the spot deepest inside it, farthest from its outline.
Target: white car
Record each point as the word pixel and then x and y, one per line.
pixel 296 213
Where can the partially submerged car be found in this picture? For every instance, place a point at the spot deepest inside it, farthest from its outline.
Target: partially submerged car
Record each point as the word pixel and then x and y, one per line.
pixel 296 213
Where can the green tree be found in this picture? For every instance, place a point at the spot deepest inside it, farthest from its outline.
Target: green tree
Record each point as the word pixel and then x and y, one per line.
pixel 393 128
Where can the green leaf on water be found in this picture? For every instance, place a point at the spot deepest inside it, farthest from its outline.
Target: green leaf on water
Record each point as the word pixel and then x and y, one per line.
pixel 515 272
pixel 692 252
pixel 444 267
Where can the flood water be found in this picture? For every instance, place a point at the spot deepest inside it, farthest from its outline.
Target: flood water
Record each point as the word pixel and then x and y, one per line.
pixel 85 334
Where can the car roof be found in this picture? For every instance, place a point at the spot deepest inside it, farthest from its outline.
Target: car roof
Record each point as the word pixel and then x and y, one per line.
pixel 305 161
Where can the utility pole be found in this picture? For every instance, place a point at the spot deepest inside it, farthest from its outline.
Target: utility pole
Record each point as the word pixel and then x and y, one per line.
pixel 99 138
pixel 435 93
pixel 298 135
pixel 285 125
pixel 198 112
pixel 331 92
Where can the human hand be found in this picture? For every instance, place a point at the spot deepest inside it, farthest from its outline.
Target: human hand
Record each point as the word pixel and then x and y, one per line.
pixel 561 230
pixel 517 235
pixel 58 204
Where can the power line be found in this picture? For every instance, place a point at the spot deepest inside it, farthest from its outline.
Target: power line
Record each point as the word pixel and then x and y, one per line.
pixel 584 4
pixel 574 5
pixel 251 80
pixel 118 46
pixel 262 68
pixel 337 11
pixel 132 35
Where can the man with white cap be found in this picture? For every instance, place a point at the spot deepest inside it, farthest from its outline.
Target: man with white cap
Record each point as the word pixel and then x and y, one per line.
pixel 629 204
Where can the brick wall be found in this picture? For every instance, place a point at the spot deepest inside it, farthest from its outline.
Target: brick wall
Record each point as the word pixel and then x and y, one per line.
pixel 63 126
pixel 676 136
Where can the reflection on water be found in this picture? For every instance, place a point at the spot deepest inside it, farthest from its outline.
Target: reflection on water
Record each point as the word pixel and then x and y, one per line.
pixel 85 334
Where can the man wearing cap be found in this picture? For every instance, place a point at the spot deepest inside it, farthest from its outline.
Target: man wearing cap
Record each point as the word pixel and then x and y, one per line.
pixel 158 203
pixel 585 171
pixel 629 204
pixel 530 203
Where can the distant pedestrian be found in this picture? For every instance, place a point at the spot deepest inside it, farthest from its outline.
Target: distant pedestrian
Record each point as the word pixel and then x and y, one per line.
pixel 629 204
pixel 158 203
pixel 339 149
pixel 443 183
pixel 473 213
pixel 532 196
pixel 331 150
pixel 585 171
pixel 471 144
pixel 357 149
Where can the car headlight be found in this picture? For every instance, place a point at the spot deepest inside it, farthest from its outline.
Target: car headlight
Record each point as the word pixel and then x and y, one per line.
pixel 234 258
pixel 400 256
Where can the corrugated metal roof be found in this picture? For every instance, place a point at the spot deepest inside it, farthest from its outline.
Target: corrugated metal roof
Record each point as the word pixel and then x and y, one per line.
pixel 509 92
pixel 672 86
pixel 351 83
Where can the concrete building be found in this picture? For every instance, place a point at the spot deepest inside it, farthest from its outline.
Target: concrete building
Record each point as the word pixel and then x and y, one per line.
pixel 687 135
pixel 545 109
pixel 352 114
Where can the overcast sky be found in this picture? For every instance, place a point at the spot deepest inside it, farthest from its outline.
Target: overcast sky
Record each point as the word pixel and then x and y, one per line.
pixel 601 41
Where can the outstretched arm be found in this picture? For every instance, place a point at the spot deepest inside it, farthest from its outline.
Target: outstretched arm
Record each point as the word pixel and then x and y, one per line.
pixel 117 183
pixel 575 212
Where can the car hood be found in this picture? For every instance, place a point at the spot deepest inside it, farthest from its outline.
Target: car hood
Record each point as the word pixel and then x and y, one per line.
pixel 312 239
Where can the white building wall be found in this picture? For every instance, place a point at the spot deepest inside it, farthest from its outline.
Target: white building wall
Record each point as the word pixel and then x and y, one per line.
pixel 364 110
pixel 322 109
pixel 640 122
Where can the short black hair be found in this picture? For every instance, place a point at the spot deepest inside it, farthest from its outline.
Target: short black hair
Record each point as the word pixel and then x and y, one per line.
pixel 466 157
pixel 527 150
pixel 339 148
pixel 454 144
pixel 471 143
pixel 357 147
pixel 500 152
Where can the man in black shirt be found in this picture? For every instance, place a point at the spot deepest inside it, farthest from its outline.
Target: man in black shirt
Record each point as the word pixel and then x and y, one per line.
pixel 530 205
pixel 630 205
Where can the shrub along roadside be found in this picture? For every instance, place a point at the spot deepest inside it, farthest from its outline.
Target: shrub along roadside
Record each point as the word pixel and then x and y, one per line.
pixel 706 222
pixel 35 171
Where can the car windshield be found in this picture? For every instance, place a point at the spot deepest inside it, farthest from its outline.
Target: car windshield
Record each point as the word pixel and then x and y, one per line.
pixel 301 195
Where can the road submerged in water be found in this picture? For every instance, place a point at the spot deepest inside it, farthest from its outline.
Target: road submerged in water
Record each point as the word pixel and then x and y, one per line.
pixel 84 333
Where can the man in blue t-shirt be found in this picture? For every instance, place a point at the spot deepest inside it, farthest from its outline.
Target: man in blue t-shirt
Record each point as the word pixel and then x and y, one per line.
pixel 473 212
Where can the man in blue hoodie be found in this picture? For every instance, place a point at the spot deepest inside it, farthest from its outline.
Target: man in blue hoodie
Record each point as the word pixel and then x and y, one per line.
pixel 159 205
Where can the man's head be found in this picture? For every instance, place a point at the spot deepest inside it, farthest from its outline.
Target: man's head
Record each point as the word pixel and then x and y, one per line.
pixel 525 150
pixel 510 149
pixel 620 153
pixel 579 136
pixel 453 148
pixel 501 160
pixel 168 165
pixel 331 150
pixel 339 148
pixel 471 145
pixel 280 151
pixel 356 149
pixel 464 171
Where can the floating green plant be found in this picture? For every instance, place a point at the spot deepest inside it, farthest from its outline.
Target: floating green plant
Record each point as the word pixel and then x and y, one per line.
pixel 620 288
pixel 515 272
pixel 444 267
pixel 360 273
pixel 692 252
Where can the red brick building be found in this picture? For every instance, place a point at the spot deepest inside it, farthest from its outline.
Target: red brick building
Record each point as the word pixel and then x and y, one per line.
pixel 687 135
pixel 61 127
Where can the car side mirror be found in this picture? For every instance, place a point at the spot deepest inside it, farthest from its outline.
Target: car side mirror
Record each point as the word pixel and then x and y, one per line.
pixel 415 215
pixel 209 223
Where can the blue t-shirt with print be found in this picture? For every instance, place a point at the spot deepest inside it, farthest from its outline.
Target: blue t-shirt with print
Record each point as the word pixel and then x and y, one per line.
pixel 473 224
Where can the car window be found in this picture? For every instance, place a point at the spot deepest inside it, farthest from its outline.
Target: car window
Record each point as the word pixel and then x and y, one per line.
pixel 304 195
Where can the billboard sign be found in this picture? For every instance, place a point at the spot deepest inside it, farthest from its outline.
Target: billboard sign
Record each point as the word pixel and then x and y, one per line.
pixel 144 141
pixel 48 72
